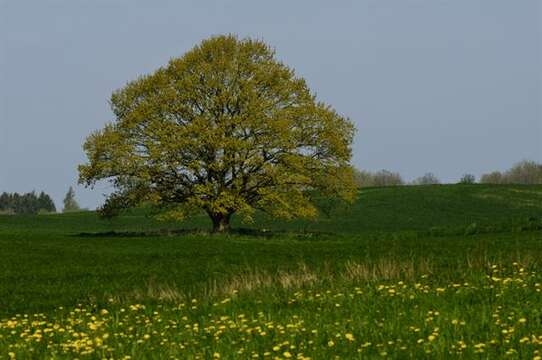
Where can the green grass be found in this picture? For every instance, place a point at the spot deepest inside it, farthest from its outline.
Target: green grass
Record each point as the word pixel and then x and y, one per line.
pixel 478 317
pixel 439 235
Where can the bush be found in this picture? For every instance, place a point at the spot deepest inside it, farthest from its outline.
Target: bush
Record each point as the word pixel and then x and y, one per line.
pixel 467 179
pixel 427 179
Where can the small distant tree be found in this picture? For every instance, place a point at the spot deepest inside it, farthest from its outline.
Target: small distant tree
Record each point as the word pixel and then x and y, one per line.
pixel 495 177
pixel 383 177
pixel 363 178
pixel 427 179
pixel 387 178
pixel 467 179
pixel 45 203
pixel 70 204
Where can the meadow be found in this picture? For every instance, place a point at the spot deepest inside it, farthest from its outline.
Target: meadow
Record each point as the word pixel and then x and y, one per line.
pixel 405 272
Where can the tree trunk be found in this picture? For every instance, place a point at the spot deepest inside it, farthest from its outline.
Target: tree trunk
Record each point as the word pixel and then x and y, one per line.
pixel 221 223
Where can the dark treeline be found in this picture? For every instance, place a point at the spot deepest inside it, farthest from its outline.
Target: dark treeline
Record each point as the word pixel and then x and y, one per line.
pixel 29 203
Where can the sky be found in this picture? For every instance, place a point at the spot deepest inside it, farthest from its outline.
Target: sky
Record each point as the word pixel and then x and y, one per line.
pixel 448 87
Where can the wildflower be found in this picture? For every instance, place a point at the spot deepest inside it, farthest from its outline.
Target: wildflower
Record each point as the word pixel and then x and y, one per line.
pixel 330 343
pixel 287 354
pixel 349 337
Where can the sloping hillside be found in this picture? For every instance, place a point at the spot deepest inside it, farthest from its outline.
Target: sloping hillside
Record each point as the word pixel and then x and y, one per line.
pixel 385 209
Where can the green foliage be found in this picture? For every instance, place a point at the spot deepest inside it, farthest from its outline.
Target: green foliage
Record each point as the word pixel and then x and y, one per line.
pixel 28 203
pixel 225 128
pixel 70 204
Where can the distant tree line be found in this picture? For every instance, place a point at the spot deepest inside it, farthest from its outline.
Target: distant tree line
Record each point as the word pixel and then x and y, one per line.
pixel 29 203
pixel 524 172
pixel 383 177
pixel 365 178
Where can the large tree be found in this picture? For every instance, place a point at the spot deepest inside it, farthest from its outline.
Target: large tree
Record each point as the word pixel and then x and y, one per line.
pixel 225 128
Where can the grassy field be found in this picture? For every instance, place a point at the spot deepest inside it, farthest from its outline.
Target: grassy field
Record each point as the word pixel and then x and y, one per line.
pixel 425 271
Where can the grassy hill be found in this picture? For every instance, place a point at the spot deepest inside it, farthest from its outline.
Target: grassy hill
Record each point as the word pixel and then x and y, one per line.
pixel 67 258
pixel 451 233
pixel 387 209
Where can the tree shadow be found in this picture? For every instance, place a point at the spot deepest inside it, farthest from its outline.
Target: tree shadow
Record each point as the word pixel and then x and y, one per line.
pixel 250 232
pixel 266 233
pixel 148 233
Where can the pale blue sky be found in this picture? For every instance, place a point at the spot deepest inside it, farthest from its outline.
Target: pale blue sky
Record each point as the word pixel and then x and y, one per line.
pixel 444 86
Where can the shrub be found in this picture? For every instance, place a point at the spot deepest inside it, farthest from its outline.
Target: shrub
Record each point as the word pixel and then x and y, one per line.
pixel 467 179
pixel 427 179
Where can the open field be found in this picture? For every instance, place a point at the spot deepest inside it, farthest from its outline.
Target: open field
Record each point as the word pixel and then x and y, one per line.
pixel 427 271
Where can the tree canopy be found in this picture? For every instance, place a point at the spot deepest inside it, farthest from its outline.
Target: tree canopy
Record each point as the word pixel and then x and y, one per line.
pixel 225 128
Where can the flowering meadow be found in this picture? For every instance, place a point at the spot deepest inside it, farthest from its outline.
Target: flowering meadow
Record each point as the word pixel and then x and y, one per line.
pixel 497 313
